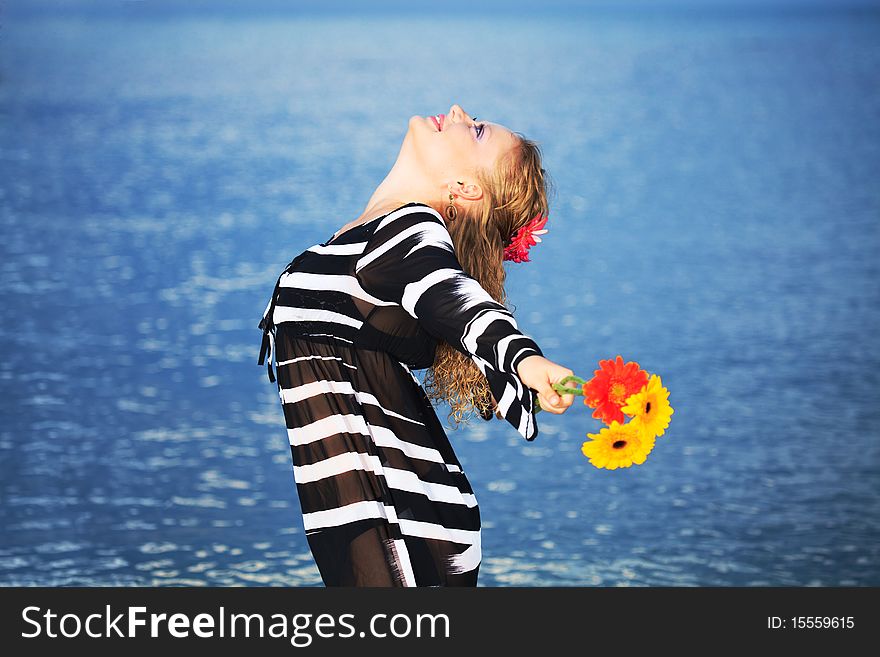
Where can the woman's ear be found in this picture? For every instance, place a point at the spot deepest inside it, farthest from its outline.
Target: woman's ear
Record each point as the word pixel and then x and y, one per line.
pixel 469 190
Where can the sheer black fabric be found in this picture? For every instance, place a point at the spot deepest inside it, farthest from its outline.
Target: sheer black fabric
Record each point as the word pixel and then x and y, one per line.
pixel 385 501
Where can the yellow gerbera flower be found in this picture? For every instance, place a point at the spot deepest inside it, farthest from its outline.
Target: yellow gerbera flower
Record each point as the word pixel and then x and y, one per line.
pixel 649 408
pixel 618 446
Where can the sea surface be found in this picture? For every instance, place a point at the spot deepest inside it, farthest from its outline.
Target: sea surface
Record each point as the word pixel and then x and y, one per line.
pixel 716 219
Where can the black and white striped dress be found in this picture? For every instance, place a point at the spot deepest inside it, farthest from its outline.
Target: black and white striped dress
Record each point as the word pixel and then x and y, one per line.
pixel 384 498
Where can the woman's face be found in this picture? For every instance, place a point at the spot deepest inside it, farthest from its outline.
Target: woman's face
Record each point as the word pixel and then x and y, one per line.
pixel 453 145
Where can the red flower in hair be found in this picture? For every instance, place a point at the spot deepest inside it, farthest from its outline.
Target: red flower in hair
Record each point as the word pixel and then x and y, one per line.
pixel 525 238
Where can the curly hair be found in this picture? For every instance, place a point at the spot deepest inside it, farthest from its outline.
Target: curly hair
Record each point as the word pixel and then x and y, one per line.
pixel 514 192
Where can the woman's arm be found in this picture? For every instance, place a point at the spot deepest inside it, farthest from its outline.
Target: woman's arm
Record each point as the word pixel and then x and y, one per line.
pixel 410 260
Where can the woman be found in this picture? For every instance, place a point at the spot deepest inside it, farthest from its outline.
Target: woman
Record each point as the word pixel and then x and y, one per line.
pixel 415 282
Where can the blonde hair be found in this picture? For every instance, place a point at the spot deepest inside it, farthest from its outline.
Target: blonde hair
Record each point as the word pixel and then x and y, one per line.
pixel 514 192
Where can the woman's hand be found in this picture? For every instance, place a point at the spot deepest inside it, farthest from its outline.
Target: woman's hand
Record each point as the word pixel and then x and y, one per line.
pixel 540 374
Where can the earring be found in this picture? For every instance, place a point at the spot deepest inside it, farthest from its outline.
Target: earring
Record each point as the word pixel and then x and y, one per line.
pixel 451 211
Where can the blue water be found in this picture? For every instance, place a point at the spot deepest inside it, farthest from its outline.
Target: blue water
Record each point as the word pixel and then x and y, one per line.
pixel 717 219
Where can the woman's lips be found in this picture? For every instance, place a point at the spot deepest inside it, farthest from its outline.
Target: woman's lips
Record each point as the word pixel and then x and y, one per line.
pixel 438 120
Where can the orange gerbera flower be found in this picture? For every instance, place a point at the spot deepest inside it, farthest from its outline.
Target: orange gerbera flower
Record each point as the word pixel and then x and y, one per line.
pixel 610 387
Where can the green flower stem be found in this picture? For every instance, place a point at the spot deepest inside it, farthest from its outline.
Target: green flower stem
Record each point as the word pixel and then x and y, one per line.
pixel 563 389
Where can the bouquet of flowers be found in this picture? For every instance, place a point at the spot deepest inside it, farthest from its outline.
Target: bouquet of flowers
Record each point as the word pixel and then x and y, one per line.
pixel 616 390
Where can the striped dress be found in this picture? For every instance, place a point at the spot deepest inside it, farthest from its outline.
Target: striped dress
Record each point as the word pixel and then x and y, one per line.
pixel 384 499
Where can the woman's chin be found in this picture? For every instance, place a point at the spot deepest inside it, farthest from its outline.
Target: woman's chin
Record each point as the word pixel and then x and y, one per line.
pixel 421 124
pixel 416 131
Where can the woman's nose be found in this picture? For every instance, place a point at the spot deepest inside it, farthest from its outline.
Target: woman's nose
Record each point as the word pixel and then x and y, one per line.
pixel 459 114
